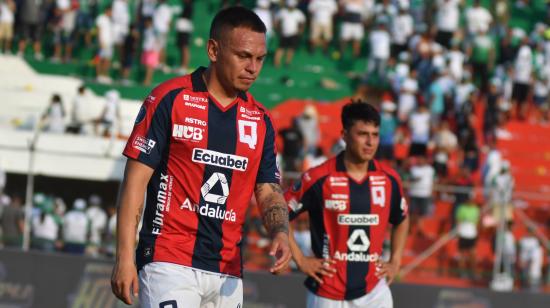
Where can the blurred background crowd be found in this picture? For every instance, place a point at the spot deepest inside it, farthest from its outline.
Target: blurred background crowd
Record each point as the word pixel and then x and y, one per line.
pixel 450 77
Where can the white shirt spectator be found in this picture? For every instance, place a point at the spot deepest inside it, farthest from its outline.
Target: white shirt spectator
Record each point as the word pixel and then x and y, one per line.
pixel 162 18
pixel 148 7
pixel 322 11
pixel 263 11
pixel 63 4
pixel 112 106
pixel 121 20
pixel 478 19
pixel 462 93
pixel 531 255
pixel 419 124
pixel 523 66
pixel 7 16
pixel 456 64
pixel 56 119
pixel 75 227
pixel 422 186
pixel 380 44
pixel 402 28
pixel 80 113
pixel 98 220
pixel 105 33
pixel 407 98
pixel 290 21
pixel 448 15
pixel 46 229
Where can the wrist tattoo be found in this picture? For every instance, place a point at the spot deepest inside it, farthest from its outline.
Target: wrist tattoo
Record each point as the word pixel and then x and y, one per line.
pixel 276 218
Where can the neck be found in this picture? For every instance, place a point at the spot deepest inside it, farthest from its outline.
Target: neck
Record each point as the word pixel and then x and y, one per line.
pixel 356 168
pixel 223 95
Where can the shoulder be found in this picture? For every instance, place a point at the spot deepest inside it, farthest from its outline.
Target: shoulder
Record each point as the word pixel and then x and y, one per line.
pixel 388 171
pixel 175 84
pixel 317 173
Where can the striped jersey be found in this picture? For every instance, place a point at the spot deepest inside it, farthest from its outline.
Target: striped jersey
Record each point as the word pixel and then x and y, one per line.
pixel 206 159
pixel 348 220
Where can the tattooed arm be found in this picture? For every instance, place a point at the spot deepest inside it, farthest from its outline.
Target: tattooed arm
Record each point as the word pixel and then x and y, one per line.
pixel 275 217
pixel 124 278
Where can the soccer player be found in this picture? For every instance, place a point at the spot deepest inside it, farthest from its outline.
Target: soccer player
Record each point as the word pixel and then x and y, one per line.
pixel 350 199
pixel 200 147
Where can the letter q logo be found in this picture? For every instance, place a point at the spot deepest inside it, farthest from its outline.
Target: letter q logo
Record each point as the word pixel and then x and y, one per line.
pixel 248 133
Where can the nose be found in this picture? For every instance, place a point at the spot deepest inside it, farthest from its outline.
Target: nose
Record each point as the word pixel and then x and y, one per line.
pixel 253 66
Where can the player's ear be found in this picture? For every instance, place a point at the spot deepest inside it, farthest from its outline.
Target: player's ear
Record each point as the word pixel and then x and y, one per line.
pixel 212 49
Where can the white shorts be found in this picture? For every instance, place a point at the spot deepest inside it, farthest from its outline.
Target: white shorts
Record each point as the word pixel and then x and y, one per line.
pixel 352 31
pixel 168 285
pixel 379 297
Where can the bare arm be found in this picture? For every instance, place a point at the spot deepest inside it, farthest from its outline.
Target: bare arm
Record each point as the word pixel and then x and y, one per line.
pixel 130 208
pixel 275 217
pixel 398 238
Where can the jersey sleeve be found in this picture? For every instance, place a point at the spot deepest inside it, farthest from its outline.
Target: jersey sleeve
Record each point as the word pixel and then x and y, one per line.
pixel 269 171
pixel 398 203
pixel 151 132
pixel 303 195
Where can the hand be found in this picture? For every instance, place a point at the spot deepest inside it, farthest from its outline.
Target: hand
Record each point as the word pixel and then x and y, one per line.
pixel 281 251
pixel 386 270
pixel 125 280
pixel 315 268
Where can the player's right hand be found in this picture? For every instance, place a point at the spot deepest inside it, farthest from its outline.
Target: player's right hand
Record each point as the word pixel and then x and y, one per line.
pixel 124 281
pixel 316 268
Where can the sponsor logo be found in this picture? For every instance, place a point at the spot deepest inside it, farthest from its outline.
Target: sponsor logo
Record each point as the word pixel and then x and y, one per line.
pixel 208 185
pixel 356 257
pixel 208 210
pixel 378 195
pixel 214 158
pixel 195 121
pixel 340 196
pixel 358 219
pixel 248 133
pixel 294 205
pixel 194 99
pixel 250 117
pixel 338 181
pixel 358 244
pixel 335 205
pixel 164 195
pixel 249 112
pixel 143 144
pixel 195 105
pixel 187 132
pixel 150 99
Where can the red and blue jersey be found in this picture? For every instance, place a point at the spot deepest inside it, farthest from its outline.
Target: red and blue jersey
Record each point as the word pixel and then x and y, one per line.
pixel 206 159
pixel 348 221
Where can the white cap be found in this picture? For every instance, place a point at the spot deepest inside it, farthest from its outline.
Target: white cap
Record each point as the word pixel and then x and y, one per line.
pixel 388 106
pixel 79 204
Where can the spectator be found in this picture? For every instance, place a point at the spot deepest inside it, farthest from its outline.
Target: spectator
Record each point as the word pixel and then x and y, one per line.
pixel 293 145
pixel 33 16
pixel 501 190
pixel 12 221
pixel 184 28
pixel 7 19
pixel 478 19
pixel 76 228
pixel 379 51
pixel 523 70
pixel 491 111
pixel 482 56
pixel 98 222
pixel 45 226
pixel 263 10
pixel 110 116
pixel 146 10
pixel 64 28
pixel 312 160
pixel 530 261
pixel 447 21
pixel 129 53
pixel 162 18
pixel 85 21
pixel 419 125
pixel 446 143
pixel 109 234
pixel 54 117
pixel 402 28
pixel 352 28
pixel 308 123
pixel 464 189
pixel 290 23
pixel 467 221
pixel 120 24
pixel 106 43
pixel 150 56
pixel 436 97
pixel 322 14
pixel 79 112
pixel 421 189
pixel 456 60
pixel 407 97
pixel 388 126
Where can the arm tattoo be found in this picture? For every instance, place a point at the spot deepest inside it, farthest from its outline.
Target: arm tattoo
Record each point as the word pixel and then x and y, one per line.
pixel 274 210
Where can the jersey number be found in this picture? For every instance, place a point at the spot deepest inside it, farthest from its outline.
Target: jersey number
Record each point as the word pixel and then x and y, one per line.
pixel 248 133
pixel 207 187
pixel 378 194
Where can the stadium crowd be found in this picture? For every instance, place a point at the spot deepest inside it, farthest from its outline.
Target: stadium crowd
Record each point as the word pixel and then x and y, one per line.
pixel 453 74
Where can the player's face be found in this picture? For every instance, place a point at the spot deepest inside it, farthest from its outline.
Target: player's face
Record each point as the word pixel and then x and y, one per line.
pixel 239 58
pixel 362 140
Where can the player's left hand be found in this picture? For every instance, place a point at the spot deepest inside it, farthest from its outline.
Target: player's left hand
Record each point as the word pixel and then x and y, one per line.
pixel 281 251
pixel 386 270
